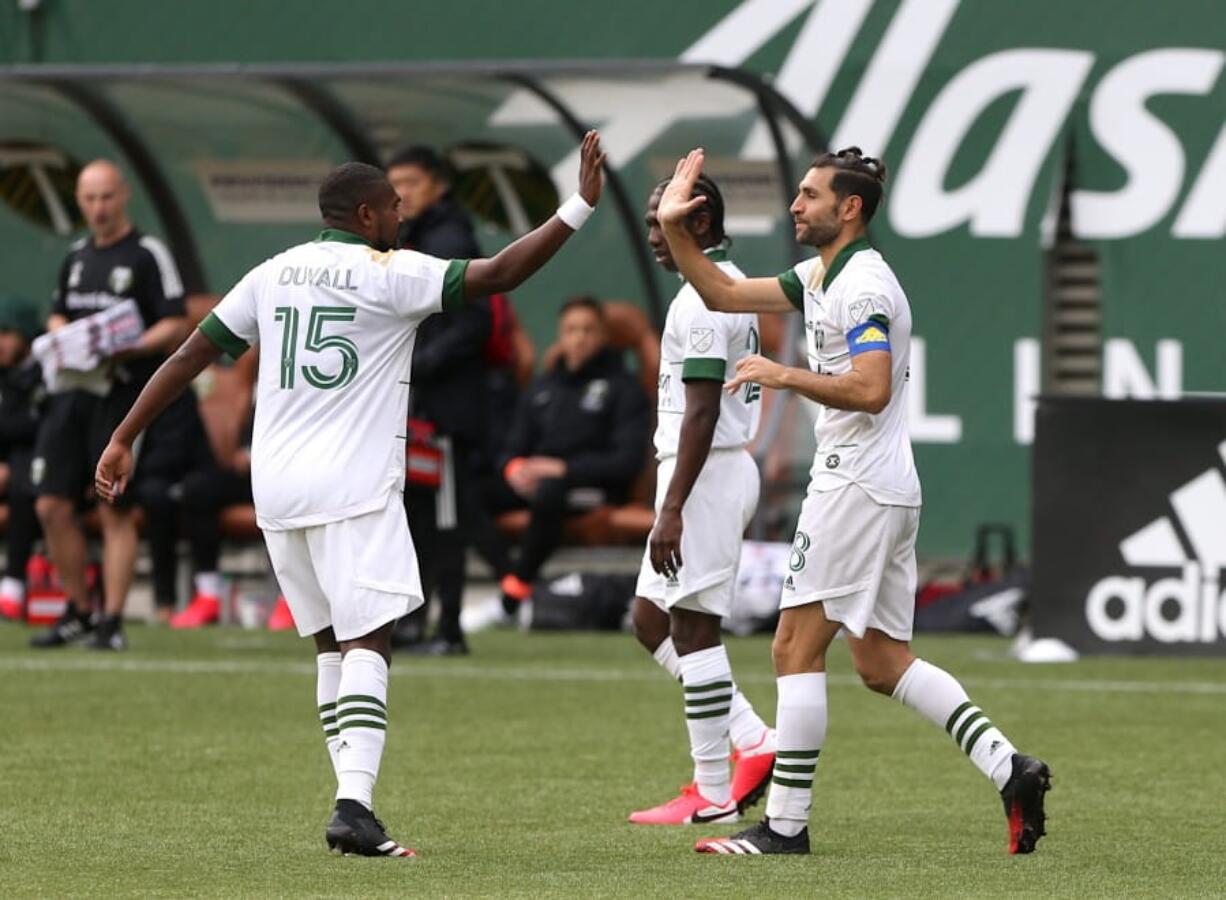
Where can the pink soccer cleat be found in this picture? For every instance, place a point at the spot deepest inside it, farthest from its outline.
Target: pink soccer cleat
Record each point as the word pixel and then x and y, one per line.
pixel 689 808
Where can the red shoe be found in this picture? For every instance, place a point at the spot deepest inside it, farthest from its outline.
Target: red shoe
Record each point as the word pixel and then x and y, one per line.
pixel 751 772
pixel 281 619
pixel 690 808
pixel 10 608
pixel 203 610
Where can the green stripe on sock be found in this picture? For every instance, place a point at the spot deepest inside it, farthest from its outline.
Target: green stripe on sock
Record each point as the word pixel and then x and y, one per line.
pixel 709 714
pixel 792 782
pixel 324 707
pixel 949 726
pixel 361 698
pixel 966 726
pixel 331 732
pixel 363 723
pixel 699 688
pixel 330 720
pixel 799 769
pixel 707 701
pixel 974 737
pixel 796 754
pixel 361 711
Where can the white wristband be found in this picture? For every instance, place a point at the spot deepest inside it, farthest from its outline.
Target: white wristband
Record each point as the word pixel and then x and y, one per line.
pixel 575 211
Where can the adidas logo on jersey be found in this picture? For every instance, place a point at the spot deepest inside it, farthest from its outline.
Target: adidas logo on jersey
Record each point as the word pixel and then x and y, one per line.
pixel 1187 608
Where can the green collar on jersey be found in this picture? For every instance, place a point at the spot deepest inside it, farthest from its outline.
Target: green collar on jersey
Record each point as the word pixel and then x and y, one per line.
pixel 341 236
pixel 842 258
pixel 715 254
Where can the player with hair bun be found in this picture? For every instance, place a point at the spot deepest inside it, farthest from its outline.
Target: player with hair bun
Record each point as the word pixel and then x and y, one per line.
pixel 852 565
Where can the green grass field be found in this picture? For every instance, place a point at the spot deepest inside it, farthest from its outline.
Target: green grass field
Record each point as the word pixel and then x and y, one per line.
pixel 193 766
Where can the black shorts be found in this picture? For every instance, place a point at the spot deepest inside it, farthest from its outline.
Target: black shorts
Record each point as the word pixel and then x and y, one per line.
pixel 75 429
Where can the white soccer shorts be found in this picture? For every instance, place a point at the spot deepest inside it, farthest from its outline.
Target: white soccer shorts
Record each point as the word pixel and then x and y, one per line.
pixel 713 523
pixel 857 558
pixel 354 575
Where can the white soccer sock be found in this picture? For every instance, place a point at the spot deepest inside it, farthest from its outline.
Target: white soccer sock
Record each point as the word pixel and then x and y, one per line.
pixel 666 656
pixel 937 696
pixel 745 726
pixel 211 584
pixel 706 678
pixel 361 715
pixel 800 732
pixel 327 683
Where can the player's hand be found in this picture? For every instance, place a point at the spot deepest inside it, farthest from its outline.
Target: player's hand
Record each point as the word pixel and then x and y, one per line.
pixel 591 168
pixel 114 468
pixel 756 370
pixel 664 543
pixel 678 199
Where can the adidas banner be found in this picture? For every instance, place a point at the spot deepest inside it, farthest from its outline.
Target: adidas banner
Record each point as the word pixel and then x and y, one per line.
pixel 1129 521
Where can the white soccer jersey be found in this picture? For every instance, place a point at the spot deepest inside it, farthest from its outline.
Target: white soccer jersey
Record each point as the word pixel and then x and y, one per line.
pixel 699 343
pixel 337 320
pixel 856 306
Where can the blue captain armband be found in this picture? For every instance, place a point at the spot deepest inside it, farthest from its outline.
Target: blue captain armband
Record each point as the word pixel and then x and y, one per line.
pixel 872 334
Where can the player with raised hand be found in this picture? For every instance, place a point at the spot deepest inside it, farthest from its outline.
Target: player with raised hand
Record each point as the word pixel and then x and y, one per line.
pixel 853 559
pixel 337 318
pixel 706 494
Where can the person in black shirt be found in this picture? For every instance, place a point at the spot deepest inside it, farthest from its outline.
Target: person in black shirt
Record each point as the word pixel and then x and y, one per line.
pixel 450 391
pixel 578 440
pixel 114 263
pixel 21 401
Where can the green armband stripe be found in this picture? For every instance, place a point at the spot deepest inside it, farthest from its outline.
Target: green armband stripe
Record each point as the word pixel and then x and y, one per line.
pixel 701 368
pixel 453 284
pixel 795 291
pixel 222 337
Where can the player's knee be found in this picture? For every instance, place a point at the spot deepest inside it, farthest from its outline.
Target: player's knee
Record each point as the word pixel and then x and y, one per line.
pixel 876 674
pixel 650 624
pixel 54 513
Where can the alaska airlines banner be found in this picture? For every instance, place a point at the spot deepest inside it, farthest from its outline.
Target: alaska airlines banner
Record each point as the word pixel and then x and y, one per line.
pixel 1130 525
pixel 980 109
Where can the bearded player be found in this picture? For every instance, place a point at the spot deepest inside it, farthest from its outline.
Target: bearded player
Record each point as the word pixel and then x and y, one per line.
pixel 853 558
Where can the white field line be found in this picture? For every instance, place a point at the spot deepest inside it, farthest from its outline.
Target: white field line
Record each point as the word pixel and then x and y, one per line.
pixel 648 673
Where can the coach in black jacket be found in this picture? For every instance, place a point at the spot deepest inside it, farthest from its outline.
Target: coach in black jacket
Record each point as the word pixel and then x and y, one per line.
pixel 449 390
pixel 579 439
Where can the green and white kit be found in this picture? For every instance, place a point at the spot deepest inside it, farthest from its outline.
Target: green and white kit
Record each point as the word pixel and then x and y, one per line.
pixel 336 320
pixel 854 548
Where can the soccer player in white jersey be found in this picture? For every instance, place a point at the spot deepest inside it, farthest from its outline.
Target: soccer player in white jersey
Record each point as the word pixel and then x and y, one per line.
pixel 853 559
pixel 706 493
pixel 338 318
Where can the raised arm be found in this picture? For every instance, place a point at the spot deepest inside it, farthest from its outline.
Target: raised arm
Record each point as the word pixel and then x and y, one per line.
pixel 167 383
pixel 521 259
pixel 718 290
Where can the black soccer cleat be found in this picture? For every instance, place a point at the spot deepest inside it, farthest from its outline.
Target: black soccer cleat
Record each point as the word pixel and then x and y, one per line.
pixel 69 628
pixel 354 831
pixel 756 840
pixel 109 635
pixel 1023 797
